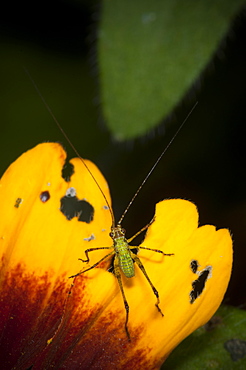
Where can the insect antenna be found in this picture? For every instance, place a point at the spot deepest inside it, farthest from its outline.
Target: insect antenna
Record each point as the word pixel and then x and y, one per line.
pixel 154 166
pixel 70 143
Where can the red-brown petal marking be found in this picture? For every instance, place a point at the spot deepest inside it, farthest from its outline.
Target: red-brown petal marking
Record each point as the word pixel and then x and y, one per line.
pixel 30 312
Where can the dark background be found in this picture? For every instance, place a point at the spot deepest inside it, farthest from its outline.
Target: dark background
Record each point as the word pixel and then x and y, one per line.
pixel 206 162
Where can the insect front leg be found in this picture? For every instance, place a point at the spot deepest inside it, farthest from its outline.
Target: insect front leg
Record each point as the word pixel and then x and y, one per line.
pixel 96 264
pixel 118 276
pixel 91 250
pixel 141 266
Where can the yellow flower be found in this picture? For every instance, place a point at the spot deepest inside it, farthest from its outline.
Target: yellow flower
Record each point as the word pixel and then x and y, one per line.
pixel 47 223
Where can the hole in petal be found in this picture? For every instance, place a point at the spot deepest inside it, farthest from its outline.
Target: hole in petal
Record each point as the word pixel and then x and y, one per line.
pixel 135 250
pixel 72 207
pixel 111 267
pixel 86 211
pixel 199 284
pixel 44 196
pixel 67 171
pixel 194 266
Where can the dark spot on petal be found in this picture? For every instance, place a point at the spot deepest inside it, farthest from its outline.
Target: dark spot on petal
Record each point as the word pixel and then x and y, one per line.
pixel 90 238
pixel 194 266
pixel 18 202
pixel 44 196
pixel 73 207
pixel 67 171
pixel 105 207
pixel 236 348
pixel 199 284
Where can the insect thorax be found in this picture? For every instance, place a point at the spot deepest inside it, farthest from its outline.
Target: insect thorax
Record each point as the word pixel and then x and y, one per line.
pixel 122 251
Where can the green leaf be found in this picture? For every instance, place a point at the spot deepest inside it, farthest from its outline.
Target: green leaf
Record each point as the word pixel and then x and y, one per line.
pixel 206 347
pixel 150 52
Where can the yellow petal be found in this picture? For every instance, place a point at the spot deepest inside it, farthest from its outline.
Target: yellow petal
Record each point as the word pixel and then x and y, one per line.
pixel 36 232
pixel 40 247
pixel 175 230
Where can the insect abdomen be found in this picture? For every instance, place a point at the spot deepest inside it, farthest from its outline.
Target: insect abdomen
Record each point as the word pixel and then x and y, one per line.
pixel 125 259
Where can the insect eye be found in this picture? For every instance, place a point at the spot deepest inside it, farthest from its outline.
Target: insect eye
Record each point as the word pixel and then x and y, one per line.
pixel 123 231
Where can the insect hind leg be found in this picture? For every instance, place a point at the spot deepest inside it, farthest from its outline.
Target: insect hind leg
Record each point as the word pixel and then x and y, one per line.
pixel 118 276
pixel 141 266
